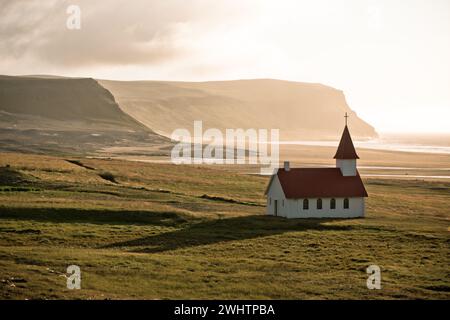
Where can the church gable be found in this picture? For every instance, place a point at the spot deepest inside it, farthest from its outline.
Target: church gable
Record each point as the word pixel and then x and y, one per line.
pixel 274 188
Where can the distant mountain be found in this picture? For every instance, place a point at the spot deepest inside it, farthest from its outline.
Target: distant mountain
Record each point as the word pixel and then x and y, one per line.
pixel 300 110
pixel 41 114
pixel 65 115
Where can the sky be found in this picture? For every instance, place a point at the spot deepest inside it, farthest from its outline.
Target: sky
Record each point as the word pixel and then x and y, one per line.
pixel 390 58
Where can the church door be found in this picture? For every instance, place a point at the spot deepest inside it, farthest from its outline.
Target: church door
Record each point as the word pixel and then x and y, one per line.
pixel 275 207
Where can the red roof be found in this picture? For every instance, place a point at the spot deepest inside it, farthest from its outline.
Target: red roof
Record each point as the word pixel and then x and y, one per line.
pixel 319 183
pixel 346 150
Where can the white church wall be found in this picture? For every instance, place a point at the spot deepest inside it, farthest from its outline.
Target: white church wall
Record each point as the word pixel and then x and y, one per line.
pixel 356 208
pixel 347 166
pixel 275 192
pixel 293 208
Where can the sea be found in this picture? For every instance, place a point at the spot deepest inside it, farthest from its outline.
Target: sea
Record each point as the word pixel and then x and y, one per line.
pixel 423 143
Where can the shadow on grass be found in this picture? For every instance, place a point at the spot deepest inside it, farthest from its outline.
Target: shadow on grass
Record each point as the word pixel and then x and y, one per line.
pixel 223 230
pixel 73 215
pixel 191 232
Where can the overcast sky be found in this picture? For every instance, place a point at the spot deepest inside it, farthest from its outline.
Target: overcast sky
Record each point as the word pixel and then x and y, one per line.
pixel 391 58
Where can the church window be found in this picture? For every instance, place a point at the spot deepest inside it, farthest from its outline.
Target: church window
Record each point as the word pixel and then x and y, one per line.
pixel 319 204
pixel 270 201
pixel 333 203
pixel 346 203
pixel 305 204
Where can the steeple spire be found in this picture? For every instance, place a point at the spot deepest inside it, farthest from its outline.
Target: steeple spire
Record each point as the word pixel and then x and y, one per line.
pixel 346 150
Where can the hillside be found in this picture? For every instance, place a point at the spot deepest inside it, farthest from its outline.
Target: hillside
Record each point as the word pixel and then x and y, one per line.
pixel 300 110
pixel 63 114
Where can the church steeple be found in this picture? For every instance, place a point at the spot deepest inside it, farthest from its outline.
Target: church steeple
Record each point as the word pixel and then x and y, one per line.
pixel 346 150
pixel 346 154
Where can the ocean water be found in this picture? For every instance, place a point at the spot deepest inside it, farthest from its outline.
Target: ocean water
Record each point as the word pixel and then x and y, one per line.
pixel 424 143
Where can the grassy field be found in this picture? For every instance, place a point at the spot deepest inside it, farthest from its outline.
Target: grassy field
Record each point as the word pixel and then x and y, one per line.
pixel 160 231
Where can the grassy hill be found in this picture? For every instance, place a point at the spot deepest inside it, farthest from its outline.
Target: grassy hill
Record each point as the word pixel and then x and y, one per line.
pixel 299 110
pixel 64 114
pixel 77 100
pixel 160 231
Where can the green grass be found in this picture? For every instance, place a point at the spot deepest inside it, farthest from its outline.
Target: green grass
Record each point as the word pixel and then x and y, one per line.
pixel 167 232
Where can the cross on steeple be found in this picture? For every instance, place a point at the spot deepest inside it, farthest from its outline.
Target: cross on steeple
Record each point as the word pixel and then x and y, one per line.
pixel 346 149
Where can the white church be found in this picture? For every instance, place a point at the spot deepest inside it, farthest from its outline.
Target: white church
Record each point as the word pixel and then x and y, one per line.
pixel 319 192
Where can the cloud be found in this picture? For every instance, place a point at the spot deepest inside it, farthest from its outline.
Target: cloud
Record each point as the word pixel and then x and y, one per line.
pixel 405 57
pixel 113 32
pixel 22 25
